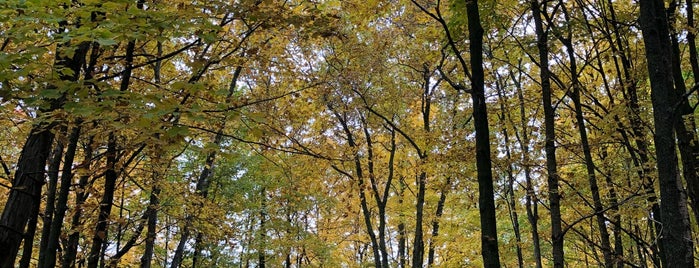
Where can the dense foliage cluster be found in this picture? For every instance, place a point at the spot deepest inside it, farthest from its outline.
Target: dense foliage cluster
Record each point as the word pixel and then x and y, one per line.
pixel 328 133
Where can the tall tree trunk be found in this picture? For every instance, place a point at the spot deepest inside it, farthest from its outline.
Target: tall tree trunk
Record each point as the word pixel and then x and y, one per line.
pixel 509 185
pixel 628 82
pixel 685 125
pixel 28 246
pixel 530 200
pixel 550 136
pixel 486 195
pixel 676 233
pixel 693 187
pixel 154 199
pixel 582 130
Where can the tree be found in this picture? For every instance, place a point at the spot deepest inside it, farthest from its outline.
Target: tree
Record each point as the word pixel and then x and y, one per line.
pixel 676 233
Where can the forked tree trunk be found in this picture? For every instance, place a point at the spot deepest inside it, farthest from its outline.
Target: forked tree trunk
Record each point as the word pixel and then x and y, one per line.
pixel 676 233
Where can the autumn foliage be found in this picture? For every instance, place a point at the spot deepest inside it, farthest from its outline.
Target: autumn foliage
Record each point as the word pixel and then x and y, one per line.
pixel 398 133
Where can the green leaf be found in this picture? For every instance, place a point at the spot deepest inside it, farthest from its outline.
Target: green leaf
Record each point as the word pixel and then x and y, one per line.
pixel 106 41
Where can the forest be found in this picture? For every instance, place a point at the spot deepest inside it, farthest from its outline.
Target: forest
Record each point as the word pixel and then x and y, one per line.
pixel 349 133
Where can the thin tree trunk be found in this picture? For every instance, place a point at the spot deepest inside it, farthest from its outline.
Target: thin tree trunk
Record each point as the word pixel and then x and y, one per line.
pixel 550 136
pixel 582 130
pixel 676 233
pixel 418 242
pixel 628 82
pixel 61 200
pixel 261 258
pixel 152 212
pixel 509 186
pixel 435 222
pixel 71 248
pixel 101 231
pixel 531 202
pixel 49 210
pixel 486 195
pixel 402 239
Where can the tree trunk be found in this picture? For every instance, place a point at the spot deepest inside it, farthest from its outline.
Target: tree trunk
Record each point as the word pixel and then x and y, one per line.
pixel 676 233
pixel 402 234
pixel 31 165
pixel 550 136
pixel 152 213
pixel 530 200
pixel 61 200
pixel 105 208
pixel 486 196
pixel 685 125
pixel 71 248
pixel 49 210
pixel 582 130
pixel 509 186
pixel 28 246
pixel 435 222
pixel 154 200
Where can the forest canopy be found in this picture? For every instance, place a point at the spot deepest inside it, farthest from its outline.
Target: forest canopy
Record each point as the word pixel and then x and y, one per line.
pixel 328 133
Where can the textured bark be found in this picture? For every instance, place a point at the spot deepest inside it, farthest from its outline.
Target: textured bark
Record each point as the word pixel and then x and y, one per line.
pixel 676 233
pixel 550 136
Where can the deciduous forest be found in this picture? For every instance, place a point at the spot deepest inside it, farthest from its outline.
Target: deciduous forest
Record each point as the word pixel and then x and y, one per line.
pixel 346 133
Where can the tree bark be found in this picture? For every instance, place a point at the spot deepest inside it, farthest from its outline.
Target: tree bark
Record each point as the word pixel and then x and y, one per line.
pixel 550 136
pixel 31 165
pixel 486 196
pixel 49 259
pixel 676 233
pixel 685 125
pixel 54 166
